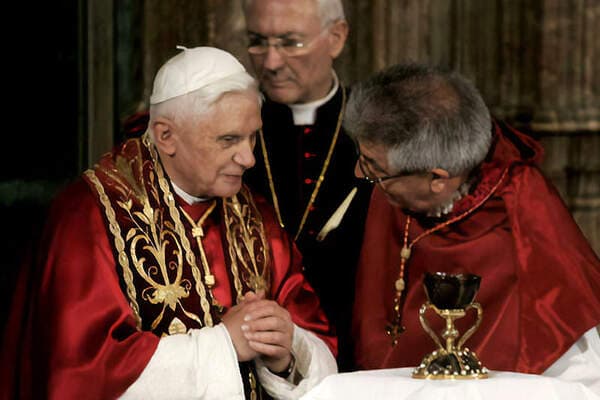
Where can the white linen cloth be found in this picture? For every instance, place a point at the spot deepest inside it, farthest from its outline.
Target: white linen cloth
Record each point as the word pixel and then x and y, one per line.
pixel 397 384
pixel 574 376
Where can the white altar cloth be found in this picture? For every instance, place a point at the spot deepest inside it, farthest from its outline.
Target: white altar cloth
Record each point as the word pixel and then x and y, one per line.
pixel 397 384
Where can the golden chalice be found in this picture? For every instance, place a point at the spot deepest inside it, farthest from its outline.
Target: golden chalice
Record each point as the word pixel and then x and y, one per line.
pixel 450 296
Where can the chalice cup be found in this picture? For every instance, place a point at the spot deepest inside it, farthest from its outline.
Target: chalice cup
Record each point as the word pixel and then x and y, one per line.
pixel 450 296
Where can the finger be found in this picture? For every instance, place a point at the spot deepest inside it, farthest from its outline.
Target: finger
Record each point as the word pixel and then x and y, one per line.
pixel 270 323
pixel 276 338
pixel 264 308
pixel 268 349
pixel 250 296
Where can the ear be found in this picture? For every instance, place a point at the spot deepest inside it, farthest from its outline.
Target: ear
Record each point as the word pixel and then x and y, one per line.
pixel 164 137
pixel 439 180
pixel 338 33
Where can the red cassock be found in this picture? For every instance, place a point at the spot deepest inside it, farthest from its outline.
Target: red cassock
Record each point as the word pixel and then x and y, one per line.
pixel 72 333
pixel 540 287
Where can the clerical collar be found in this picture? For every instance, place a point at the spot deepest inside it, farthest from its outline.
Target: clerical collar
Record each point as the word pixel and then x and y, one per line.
pixel 188 198
pixel 305 114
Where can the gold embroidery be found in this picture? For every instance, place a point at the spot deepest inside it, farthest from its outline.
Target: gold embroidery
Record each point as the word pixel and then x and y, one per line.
pixel 177 327
pixel 123 174
pixel 155 237
pixel 149 232
pixel 154 251
pixel 247 243
pixel 119 245
pixel 179 228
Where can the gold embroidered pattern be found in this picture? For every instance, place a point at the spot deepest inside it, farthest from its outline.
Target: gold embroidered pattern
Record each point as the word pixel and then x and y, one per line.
pixel 179 228
pixel 154 236
pixel 248 246
pixel 177 327
pixel 148 241
pixel 161 277
pixel 119 245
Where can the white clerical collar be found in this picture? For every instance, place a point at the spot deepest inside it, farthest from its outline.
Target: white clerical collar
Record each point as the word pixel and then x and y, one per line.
pixel 305 114
pixel 188 198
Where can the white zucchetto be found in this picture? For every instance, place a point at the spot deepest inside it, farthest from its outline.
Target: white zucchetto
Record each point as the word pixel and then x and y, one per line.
pixel 191 70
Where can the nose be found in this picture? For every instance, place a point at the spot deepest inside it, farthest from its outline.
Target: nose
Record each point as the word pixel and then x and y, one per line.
pixel 273 58
pixel 245 156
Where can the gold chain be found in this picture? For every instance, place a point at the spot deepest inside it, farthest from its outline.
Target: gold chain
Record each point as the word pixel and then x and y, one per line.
pixel 198 234
pixel 320 180
pixel 263 147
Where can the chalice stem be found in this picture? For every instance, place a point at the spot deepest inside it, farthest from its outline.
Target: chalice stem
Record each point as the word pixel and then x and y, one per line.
pixel 450 333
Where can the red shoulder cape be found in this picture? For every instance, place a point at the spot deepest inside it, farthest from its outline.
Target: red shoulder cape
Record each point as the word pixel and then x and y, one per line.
pixel 540 288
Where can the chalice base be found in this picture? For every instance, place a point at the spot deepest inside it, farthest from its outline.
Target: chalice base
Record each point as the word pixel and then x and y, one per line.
pixel 457 364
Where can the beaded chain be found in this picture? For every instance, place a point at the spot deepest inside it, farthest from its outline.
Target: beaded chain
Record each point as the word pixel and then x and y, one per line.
pixel 395 328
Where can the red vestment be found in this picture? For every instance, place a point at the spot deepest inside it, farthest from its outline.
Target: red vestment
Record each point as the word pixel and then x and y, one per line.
pixel 540 287
pixel 73 332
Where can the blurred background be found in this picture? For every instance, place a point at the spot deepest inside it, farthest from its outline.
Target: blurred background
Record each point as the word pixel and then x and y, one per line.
pixel 76 70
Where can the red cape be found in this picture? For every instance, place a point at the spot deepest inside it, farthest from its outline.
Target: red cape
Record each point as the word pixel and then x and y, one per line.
pixel 540 288
pixel 72 332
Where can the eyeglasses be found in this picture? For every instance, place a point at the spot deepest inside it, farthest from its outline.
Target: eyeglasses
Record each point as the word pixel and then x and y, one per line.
pixel 287 46
pixel 368 174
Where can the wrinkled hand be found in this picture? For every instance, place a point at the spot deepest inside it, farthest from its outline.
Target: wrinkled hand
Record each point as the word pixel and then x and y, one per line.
pixel 233 320
pixel 269 330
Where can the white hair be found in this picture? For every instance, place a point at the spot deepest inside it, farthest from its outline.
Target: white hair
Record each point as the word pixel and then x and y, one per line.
pixel 328 10
pixel 426 117
pixel 193 105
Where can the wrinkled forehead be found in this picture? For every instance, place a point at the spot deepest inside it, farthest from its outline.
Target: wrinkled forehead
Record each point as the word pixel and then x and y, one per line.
pixel 279 17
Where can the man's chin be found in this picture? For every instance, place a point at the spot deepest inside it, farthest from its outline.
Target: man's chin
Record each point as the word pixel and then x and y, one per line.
pixel 230 189
pixel 280 94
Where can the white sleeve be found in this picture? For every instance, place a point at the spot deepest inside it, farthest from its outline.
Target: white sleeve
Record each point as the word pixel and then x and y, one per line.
pixel 314 362
pixel 581 363
pixel 201 364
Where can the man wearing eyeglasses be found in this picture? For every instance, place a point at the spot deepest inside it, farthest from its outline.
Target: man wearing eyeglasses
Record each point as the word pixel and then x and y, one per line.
pixel 459 192
pixel 304 160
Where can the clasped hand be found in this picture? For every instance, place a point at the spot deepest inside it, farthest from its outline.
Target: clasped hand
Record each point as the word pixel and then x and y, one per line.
pixel 261 328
